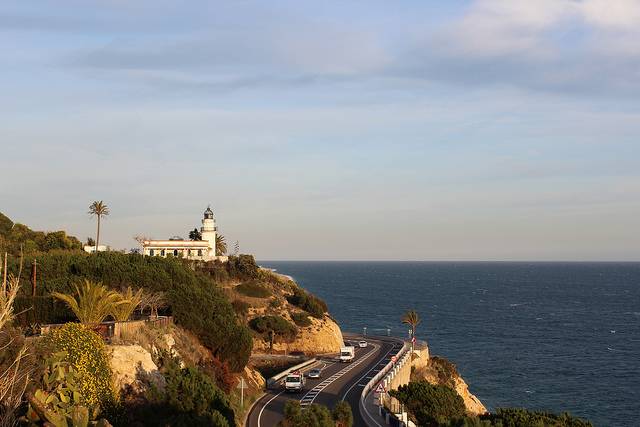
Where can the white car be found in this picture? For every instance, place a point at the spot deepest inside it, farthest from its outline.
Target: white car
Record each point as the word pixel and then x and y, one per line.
pixel 314 373
pixel 362 344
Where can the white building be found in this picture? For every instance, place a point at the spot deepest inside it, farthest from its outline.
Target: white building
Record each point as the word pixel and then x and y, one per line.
pixel 92 249
pixel 204 249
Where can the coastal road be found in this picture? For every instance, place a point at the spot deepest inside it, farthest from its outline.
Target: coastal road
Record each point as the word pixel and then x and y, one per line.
pixel 339 381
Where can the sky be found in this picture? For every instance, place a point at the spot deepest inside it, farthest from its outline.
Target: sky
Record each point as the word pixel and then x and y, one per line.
pixel 332 130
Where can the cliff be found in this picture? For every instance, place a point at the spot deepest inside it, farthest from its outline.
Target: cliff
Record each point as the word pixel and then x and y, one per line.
pixel 299 320
pixel 322 336
pixel 437 370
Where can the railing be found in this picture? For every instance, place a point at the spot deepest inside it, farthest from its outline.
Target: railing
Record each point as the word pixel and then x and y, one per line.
pixel 401 358
pixel 111 329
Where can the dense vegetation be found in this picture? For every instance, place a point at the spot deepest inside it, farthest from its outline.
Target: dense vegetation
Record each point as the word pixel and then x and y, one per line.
pixel 14 235
pixel 316 415
pixel 190 398
pixel 308 302
pixel 195 301
pixel 281 328
pixel 301 319
pixel 87 354
pixel 253 289
pixel 430 405
pixel 440 406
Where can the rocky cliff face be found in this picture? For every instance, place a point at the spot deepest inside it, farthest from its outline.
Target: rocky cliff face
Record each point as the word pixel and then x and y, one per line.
pixel 322 336
pixel 133 366
pixel 437 370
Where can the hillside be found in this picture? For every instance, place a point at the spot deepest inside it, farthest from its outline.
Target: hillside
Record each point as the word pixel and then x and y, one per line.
pixel 13 235
pixel 300 321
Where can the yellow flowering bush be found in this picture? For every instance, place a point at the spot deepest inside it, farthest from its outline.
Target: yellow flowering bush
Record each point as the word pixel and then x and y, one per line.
pixel 86 353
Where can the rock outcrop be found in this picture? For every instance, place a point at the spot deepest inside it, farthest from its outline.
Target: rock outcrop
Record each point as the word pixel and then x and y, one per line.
pixel 133 366
pixel 437 370
pixel 322 336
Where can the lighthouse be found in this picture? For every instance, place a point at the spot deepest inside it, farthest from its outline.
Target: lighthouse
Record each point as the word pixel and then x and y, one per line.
pixel 208 231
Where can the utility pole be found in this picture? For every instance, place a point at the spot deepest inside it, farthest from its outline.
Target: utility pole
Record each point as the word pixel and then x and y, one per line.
pixel 4 280
pixel 34 277
pixel 242 386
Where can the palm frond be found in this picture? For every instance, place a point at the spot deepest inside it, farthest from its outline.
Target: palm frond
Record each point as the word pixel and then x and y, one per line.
pixel 93 304
pixel 127 304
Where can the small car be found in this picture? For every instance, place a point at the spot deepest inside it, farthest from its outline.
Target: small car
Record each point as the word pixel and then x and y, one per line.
pixel 362 344
pixel 314 373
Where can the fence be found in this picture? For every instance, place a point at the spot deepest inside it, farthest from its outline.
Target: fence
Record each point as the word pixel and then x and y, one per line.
pixel 121 330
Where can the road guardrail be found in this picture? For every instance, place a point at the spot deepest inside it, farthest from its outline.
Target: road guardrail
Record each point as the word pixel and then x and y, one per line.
pixel 401 358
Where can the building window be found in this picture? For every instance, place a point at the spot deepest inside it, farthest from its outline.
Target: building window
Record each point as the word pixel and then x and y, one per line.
pixel 199 252
pixel 162 252
pixel 175 252
pixel 151 252
pixel 189 252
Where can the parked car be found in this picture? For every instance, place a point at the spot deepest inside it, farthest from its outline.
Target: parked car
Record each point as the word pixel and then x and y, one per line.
pixel 314 373
pixel 362 344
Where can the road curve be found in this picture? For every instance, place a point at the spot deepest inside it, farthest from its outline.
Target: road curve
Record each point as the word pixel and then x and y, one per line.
pixel 340 381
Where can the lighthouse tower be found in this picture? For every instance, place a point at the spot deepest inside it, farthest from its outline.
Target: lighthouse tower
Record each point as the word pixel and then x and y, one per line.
pixel 208 231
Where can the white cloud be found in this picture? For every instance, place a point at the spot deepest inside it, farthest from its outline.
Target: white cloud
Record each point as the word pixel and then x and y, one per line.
pixel 617 15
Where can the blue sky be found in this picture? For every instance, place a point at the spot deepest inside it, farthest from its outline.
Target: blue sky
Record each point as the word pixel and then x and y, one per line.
pixel 422 130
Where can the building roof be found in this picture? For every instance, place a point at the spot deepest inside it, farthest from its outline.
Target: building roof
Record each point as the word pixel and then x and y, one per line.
pixel 175 244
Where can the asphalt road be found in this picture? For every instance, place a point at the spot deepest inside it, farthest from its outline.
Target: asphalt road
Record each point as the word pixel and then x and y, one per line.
pixel 339 381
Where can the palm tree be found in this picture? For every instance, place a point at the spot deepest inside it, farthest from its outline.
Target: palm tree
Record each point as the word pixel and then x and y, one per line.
pixel 130 301
pixel 412 319
pixel 221 245
pixel 99 209
pixel 94 302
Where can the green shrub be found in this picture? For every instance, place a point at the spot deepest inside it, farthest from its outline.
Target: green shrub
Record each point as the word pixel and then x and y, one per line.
pixel 309 303
pixel 189 391
pixel 59 401
pixel 515 417
pixel 280 327
pixel 275 302
pixel 86 353
pixel 243 267
pixel 42 310
pixel 241 307
pixel 430 405
pixel 342 414
pixel 301 319
pixel 314 415
pixel 253 289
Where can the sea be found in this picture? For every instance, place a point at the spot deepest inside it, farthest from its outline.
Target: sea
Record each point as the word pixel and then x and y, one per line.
pixel 559 337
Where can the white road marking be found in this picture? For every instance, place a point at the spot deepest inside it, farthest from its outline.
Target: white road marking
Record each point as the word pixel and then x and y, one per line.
pixel 367 373
pixel 313 393
pixel 265 405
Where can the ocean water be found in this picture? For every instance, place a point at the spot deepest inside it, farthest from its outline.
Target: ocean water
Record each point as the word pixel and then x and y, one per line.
pixel 550 336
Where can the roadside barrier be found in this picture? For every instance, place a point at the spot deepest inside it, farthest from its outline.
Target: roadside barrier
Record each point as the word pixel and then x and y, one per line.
pixel 387 373
pixel 273 381
pixel 384 377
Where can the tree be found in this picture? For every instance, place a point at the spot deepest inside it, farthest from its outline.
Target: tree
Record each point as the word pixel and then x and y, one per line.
pixel 90 241
pixel 221 245
pixel 153 301
pixel 93 304
pixel 98 209
pixel 412 319
pixel 342 414
pixel 195 234
pixel 313 415
pixel 430 405
pixel 129 302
